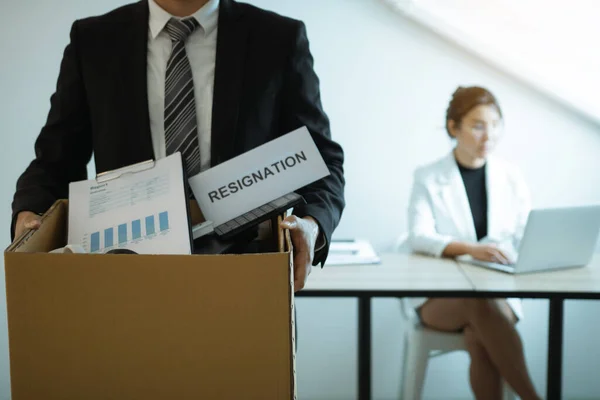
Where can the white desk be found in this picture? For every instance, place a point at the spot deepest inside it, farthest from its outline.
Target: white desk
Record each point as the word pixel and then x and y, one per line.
pixel 408 275
pixel 573 282
pixel 398 275
pixel 556 286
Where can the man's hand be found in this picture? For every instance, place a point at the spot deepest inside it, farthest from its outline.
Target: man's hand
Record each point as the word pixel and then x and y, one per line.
pixel 489 252
pixel 26 220
pixel 304 233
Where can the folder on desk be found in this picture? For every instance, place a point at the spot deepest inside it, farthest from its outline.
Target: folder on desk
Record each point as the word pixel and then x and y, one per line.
pixel 352 252
pixel 143 207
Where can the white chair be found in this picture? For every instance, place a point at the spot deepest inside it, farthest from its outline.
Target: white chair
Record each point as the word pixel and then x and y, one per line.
pixel 421 344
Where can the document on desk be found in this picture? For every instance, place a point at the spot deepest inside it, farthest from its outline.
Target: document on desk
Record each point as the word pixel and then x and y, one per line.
pixel 141 208
pixel 352 252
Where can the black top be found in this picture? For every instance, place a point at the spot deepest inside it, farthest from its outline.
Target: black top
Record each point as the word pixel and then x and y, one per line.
pixel 265 86
pixel 474 180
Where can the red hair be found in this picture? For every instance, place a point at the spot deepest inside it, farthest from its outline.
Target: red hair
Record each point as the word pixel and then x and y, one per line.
pixel 464 99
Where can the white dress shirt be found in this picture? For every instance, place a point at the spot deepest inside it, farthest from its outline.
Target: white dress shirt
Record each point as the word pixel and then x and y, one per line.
pixel 201 48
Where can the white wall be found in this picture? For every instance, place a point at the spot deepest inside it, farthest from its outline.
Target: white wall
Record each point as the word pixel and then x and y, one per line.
pixel 522 38
pixel 385 83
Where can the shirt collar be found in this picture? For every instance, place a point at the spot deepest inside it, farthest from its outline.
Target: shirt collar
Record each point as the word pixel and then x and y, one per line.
pixel 207 17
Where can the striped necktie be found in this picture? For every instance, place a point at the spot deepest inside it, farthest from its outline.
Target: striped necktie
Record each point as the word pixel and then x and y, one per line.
pixel 181 125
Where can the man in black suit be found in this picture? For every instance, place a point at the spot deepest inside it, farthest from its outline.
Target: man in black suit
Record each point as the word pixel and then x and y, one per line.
pixel 209 78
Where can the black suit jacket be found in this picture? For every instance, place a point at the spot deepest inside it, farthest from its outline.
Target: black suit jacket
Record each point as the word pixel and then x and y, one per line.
pixel 265 86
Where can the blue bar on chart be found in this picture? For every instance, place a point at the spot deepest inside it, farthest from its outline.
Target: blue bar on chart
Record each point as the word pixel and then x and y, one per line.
pixel 122 233
pixel 150 225
pixel 108 237
pixel 95 245
pixel 163 218
pixel 136 229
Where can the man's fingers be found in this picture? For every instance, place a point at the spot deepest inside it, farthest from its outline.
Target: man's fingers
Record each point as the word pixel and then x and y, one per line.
pixel 299 284
pixel 290 222
pixel 302 249
pixel 302 266
pixel 26 220
pixel 300 275
pixel 32 224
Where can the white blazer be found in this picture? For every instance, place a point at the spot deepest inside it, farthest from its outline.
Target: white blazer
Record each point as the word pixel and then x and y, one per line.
pixel 439 211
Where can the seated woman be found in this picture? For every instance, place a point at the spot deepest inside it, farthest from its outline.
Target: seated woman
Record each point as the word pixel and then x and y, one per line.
pixel 456 202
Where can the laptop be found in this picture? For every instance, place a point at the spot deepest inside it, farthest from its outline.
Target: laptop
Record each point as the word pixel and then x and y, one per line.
pixel 554 238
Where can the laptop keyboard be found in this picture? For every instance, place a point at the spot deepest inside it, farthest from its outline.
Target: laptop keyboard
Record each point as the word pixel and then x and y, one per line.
pixel 493 265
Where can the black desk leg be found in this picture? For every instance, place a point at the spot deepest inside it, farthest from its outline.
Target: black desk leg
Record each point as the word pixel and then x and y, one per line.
pixel 555 349
pixel 364 348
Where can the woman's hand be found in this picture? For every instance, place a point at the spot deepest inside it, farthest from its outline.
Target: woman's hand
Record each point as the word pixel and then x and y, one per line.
pixel 489 252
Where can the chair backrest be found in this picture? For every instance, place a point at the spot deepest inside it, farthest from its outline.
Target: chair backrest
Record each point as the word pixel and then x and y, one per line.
pixel 408 311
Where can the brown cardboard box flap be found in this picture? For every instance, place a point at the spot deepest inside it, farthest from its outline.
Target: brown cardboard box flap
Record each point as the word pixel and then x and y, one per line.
pixel 51 235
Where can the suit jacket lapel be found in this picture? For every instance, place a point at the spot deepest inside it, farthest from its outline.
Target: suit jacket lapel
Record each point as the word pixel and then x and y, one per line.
pixel 135 84
pixel 455 197
pixel 231 51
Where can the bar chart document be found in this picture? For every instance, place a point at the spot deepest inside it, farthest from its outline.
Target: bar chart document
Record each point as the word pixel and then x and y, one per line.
pixel 141 208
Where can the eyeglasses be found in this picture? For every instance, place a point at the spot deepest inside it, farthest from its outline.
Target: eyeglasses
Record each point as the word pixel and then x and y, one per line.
pixel 491 130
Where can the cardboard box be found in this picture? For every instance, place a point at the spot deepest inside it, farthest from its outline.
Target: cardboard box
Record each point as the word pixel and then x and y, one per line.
pixel 88 326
